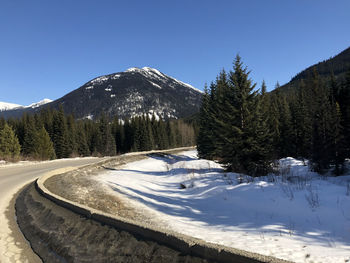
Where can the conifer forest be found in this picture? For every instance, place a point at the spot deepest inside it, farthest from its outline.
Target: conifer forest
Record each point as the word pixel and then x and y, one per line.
pixel 247 129
pixel 52 134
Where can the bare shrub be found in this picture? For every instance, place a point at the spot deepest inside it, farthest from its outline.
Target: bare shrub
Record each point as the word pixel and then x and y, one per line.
pixel 312 197
pixel 228 179
pixel 291 228
pixel 288 191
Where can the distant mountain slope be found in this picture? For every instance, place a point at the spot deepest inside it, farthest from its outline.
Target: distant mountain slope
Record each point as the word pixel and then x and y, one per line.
pixel 38 104
pixel 130 93
pixel 5 106
pixel 339 65
pixel 8 106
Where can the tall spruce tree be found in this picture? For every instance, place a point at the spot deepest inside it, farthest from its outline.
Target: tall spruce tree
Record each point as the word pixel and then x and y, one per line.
pixel 344 104
pixel 60 134
pixel 72 148
pixel 30 136
pixel 105 141
pixel 322 130
pixel 81 140
pixel 303 124
pixel 285 147
pixel 9 145
pixel 205 145
pixel 44 149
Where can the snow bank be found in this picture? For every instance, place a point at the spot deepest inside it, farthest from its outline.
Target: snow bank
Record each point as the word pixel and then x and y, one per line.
pixel 295 215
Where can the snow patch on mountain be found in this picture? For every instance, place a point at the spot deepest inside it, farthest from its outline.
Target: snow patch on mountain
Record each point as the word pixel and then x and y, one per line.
pixel 38 104
pixel 99 80
pixel 156 74
pixel 156 85
pixel 116 76
pixel 89 117
pixel 9 106
pixel 109 88
pixel 187 85
pixel 5 106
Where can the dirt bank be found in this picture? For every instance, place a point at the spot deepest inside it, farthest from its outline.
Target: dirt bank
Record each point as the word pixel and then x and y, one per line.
pixel 59 235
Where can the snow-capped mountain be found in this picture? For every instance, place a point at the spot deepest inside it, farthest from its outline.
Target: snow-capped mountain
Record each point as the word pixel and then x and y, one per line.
pixel 4 106
pixel 134 92
pixel 8 106
pixel 38 104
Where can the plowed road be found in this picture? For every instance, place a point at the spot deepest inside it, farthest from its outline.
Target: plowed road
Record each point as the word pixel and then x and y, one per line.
pixel 13 246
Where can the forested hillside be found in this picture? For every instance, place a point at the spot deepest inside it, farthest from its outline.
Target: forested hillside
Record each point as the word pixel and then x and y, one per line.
pixel 247 130
pixel 52 134
pixel 336 66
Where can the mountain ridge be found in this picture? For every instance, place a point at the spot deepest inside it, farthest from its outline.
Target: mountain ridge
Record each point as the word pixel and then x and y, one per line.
pixel 337 65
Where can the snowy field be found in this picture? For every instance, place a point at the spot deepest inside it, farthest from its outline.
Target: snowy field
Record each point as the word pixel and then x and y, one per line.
pixel 296 215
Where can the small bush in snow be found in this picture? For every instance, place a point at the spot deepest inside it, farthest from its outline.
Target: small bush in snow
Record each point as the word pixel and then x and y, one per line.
pixel 182 186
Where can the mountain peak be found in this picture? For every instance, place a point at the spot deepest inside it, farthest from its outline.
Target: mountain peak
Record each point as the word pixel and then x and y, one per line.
pixel 134 69
pixel 155 73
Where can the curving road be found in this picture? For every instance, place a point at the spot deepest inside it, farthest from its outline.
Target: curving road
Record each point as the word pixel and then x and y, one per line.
pixel 13 246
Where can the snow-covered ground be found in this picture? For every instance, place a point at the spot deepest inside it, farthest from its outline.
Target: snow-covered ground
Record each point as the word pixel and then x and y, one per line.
pixel 296 215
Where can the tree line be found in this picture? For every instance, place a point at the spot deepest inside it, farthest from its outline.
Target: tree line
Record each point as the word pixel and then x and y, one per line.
pixel 247 129
pixel 53 134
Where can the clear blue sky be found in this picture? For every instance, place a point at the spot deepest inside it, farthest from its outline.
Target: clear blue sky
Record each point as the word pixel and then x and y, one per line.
pixel 49 48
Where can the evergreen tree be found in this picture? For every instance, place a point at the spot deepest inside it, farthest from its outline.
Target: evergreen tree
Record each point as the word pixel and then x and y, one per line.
pixel 155 132
pixel 220 109
pixel 262 140
pixel 344 104
pixel 285 128
pixel 274 123
pixel 60 134
pixel 205 144
pixel 44 147
pixel 241 102
pixel 9 145
pixel 119 135
pixel 129 135
pixel 163 136
pixel 337 140
pixel 322 131
pixel 146 135
pixel 302 124
pixel 30 137
pixel 81 141
pixel 173 137
pixel 105 141
pixel 72 148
